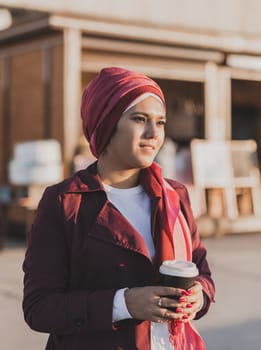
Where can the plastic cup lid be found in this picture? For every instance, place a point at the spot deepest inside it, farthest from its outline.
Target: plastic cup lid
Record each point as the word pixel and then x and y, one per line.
pixel 179 268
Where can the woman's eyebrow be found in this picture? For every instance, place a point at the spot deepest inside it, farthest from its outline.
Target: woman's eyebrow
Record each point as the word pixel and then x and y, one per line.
pixel 147 114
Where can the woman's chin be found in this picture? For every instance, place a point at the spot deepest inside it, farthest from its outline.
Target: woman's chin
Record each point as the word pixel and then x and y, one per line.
pixel 146 163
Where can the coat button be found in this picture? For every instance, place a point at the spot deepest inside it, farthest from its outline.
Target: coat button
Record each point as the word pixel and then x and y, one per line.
pixel 79 322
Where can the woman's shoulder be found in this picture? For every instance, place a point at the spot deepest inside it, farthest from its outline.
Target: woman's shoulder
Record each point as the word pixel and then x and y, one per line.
pixel 80 181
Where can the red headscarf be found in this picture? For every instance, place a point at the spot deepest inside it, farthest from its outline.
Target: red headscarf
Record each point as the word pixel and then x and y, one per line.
pixel 105 99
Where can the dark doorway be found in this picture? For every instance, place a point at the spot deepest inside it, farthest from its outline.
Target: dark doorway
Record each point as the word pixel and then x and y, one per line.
pixel 246 111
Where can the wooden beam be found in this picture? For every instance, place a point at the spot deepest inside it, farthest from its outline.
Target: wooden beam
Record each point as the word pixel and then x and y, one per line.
pixel 149 49
pixel 245 74
pixel 72 91
pixel 161 68
pixel 237 43
pixel 25 28
pixel 40 43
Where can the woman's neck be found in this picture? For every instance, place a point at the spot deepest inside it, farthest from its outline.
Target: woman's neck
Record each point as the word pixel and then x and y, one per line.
pixel 116 177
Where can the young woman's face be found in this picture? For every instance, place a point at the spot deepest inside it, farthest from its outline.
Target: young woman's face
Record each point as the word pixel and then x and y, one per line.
pixel 139 135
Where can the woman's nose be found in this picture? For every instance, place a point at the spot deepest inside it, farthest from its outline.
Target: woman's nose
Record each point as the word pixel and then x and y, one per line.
pixel 151 130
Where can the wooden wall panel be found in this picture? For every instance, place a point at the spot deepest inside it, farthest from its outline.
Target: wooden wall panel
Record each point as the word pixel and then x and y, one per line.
pixel 31 94
pixel 1 120
pixel 56 90
pixel 86 78
pixel 26 98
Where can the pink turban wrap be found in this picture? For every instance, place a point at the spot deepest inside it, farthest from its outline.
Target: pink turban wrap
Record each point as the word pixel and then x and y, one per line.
pixel 105 99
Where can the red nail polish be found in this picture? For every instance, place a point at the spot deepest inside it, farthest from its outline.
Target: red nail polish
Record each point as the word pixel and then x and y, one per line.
pixel 189 292
pixel 178 310
pixel 185 317
pixel 184 292
pixel 189 305
pixel 182 300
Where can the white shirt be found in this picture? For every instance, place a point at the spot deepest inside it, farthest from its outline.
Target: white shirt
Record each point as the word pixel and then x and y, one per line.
pixel 134 204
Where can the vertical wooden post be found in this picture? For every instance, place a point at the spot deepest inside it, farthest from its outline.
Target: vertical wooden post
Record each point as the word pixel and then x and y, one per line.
pixel 72 91
pixel 225 97
pixel 47 74
pixel 6 116
pixel 211 100
pixel 217 102
pixel 218 118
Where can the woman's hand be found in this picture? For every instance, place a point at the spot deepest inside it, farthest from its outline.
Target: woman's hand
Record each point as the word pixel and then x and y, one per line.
pixel 155 303
pixel 193 302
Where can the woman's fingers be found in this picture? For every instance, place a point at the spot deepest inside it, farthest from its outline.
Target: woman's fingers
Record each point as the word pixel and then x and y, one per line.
pixel 189 303
pixel 147 303
pixel 193 301
pixel 159 304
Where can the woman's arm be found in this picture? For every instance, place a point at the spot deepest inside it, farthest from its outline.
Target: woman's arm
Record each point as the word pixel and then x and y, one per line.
pixel 49 304
pixel 199 252
pixel 199 257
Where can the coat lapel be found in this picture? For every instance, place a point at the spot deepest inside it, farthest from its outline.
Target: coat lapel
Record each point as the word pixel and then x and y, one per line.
pixel 111 226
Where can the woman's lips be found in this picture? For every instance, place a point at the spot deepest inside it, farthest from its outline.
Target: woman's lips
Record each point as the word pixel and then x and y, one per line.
pixel 148 146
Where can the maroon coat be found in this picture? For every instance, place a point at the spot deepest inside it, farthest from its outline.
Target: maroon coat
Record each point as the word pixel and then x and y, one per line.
pixel 80 251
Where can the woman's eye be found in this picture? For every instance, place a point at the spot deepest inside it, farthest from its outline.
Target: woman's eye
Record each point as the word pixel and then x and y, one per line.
pixel 162 122
pixel 140 119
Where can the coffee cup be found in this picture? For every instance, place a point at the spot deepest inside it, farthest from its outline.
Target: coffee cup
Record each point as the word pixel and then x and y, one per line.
pixel 178 273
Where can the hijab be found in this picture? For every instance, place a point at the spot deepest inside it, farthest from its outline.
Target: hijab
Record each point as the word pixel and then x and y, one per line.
pixel 106 97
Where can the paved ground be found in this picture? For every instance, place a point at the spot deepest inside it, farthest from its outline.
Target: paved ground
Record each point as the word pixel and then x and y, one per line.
pixel 233 323
pixel 14 333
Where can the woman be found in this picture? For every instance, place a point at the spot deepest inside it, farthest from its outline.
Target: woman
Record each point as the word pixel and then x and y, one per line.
pixel 99 237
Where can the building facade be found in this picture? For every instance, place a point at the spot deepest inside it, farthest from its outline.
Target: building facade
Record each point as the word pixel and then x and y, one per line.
pixel 205 55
